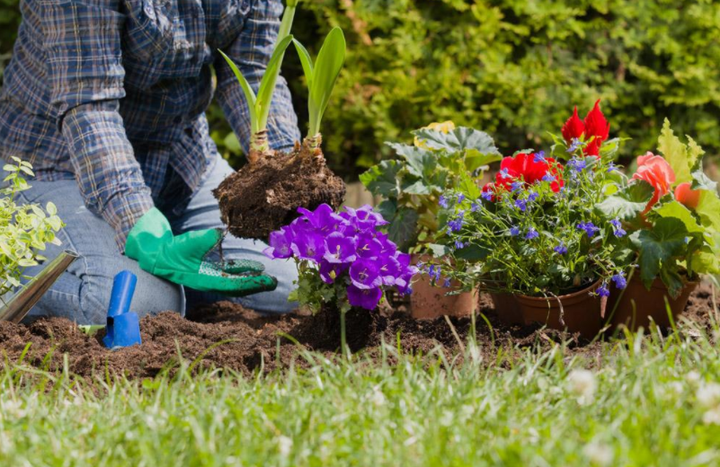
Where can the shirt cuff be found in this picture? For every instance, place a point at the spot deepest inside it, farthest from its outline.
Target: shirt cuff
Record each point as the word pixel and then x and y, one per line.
pixel 123 210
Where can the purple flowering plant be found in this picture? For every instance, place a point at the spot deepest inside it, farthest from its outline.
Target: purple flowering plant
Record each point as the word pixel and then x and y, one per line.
pixel 343 259
pixel 536 239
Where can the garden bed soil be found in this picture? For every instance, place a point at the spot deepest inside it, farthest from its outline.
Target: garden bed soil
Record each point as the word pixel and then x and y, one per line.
pixel 227 336
pixel 262 197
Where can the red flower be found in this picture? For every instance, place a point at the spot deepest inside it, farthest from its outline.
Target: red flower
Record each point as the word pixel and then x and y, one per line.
pixel 597 128
pixel 657 172
pixel 573 128
pixel 687 196
pixel 528 168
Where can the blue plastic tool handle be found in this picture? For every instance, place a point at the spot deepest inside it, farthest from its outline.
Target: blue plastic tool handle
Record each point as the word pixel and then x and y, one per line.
pixel 122 293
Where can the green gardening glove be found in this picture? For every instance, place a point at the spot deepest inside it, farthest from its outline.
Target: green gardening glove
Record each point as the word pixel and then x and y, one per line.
pixel 181 259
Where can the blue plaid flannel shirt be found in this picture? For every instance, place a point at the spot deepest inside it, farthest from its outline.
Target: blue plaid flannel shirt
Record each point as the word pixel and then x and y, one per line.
pixel 112 93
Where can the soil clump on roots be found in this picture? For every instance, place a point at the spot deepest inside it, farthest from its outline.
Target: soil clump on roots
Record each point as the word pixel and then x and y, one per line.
pixel 264 196
pixel 227 336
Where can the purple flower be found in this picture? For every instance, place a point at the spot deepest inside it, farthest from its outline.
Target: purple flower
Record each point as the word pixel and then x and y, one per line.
pixel 443 202
pixel 364 298
pixel 339 248
pixel 619 280
pixel 456 224
pixel 521 204
pixel 617 228
pixel 487 196
pixel 390 270
pixel 504 173
pixel 539 157
pixel 517 185
pixel 459 245
pixel 578 165
pixel 447 283
pixel 329 271
pixel 561 249
pixel 589 228
pixel 363 218
pixel 280 244
pixel 474 207
pixel 576 143
pixel 461 198
pixel 531 233
pixel 365 274
pixel 612 167
pixel 514 231
pixel 368 246
pixel 323 218
pixel 310 246
pixel 548 177
pixel 603 290
pixel 533 196
pixel 434 272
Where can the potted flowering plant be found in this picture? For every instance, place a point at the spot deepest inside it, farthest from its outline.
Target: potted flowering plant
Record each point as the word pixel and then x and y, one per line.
pixel 671 211
pixel 412 185
pixel 534 232
pixel 343 260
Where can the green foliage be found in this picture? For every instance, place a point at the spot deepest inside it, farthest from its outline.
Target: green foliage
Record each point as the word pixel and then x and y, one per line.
pixel 24 229
pixel 322 76
pixel 412 183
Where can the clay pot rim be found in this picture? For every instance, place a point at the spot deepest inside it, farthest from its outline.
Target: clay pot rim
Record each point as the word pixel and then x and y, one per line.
pixel 565 297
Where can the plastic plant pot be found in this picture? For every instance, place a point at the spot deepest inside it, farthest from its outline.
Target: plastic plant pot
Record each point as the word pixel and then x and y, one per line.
pixel 506 308
pixel 429 301
pixel 581 311
pixel 635 306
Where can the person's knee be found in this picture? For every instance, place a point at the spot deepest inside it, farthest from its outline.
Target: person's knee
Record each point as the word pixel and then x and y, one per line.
pixel 275 302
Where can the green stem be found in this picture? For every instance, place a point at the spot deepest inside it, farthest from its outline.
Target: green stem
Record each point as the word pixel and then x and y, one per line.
pixel 343 342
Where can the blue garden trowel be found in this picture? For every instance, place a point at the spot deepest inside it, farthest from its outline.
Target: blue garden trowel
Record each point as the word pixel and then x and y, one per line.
pixel 123 326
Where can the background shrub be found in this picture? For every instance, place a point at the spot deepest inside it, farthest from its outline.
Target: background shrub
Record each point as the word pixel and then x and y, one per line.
pixel 513 68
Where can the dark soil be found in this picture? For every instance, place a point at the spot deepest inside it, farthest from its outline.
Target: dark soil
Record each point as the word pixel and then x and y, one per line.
pixel 263 197
pixel 226 336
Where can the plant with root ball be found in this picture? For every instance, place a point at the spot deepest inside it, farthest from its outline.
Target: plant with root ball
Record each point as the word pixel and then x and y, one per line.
pixel 265 194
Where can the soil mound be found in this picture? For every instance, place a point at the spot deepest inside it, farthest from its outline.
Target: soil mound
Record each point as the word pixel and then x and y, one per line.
pixel 263 197
pixel 227 336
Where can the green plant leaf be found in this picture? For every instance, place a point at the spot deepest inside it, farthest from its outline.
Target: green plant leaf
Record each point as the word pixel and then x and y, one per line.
pixel 705 261
pixel 659 247
pixel 328 64
pixel 388 209
pixel 702 181
pixel 475 159
pixel 708 209
pixel 680 157
pixel 459 139
pixel 438 251
pixel 381 179
pixel 627 203
pixel 306 62
pixel 675 210
pixel 269 79
pixel 403 228
pixel 250 97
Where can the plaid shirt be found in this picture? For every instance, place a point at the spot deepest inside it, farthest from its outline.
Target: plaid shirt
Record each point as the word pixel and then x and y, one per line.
pixel 112 93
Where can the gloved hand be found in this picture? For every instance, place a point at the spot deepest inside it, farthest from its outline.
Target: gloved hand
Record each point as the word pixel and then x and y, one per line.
pixel 181 259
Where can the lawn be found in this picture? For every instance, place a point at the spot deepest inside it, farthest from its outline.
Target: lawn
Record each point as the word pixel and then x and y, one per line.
pixel 644 400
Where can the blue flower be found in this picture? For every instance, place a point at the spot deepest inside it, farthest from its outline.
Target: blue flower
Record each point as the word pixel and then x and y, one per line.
pixel 539 157
pixel 446 284
pixel 561 249
pixel 578 165
pixel 459 245
pixel 443 202
pixel 521 204
pixel 504 173
pixel 456 224
pixel 617 228
pixel 474 207
pixel 533 196
pixel 603 290
pixel 531 233
pixel 612 167
pixel 619 280
pixel 487 196
pixel 548 177
pixel 589 228
pixel 514 231
pixel 576 143
pixel 461 198
pixel 515 186
pixel 434 272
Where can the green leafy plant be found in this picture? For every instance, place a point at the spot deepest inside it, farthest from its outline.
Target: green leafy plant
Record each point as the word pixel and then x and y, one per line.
pixel 442 157
pixel 25 229
pixel 321 77
pixel 672 210
pixel 259 105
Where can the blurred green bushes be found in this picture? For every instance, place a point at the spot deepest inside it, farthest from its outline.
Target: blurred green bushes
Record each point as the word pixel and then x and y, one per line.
pixel 513 68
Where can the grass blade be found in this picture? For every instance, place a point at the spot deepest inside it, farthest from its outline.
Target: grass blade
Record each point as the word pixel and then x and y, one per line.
pixel 327 68
pixel 267 86
pixel 247 90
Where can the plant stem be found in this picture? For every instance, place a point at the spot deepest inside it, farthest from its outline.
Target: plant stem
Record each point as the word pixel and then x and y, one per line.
pixel 259 146
pixel 343 342
pixel 312 143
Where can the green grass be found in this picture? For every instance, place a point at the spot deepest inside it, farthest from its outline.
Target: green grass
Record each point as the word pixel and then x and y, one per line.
pixel 652 400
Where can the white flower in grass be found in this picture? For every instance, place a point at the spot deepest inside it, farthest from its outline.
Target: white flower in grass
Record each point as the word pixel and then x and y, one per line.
pixel 582 383
pixel 692 377
pixel 712 416
pixel 285 445
pixel 708 395
pixel 598 453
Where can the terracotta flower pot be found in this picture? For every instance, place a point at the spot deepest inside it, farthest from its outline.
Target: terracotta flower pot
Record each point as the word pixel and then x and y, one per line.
pixel 581 311
pixel 636 305
pixel 507 308
pixel 429 302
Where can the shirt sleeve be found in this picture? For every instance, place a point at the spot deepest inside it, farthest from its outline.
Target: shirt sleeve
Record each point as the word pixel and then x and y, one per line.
pixel 84 56
pixel 251 51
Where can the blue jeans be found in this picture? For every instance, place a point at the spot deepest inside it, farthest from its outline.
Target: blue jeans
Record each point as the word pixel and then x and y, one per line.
pixel 82 293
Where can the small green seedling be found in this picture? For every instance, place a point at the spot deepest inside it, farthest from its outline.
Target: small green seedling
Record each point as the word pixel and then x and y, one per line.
pixel 259 105
pixel 321 77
